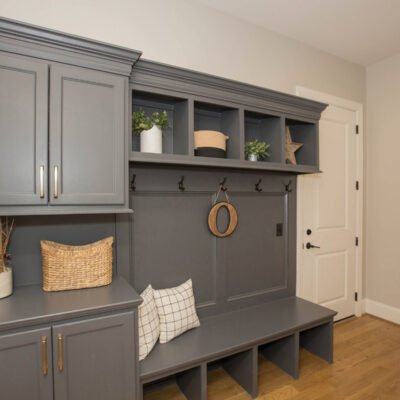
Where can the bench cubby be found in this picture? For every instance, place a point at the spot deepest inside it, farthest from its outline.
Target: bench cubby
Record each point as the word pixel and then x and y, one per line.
pixel 275 330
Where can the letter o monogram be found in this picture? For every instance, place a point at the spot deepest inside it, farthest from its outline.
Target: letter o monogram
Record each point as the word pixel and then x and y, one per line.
pixel 212 219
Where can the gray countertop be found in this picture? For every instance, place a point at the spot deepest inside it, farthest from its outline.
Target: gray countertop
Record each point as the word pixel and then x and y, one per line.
pixel 30 305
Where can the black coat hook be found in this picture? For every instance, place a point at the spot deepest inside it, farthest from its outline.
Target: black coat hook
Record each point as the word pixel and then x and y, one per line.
pixel 133 183
pixel 287 187
pixel 181 187
pixel 222 185
pixel 257 186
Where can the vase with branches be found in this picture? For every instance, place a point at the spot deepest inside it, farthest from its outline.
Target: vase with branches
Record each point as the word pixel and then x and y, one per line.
pixel 6 227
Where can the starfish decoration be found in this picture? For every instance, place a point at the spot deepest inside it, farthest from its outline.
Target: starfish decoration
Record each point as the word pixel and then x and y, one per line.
pixel 290 148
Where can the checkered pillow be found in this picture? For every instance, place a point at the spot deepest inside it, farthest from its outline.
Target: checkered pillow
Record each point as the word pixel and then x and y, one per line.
pixel 149 323
pixel 176 310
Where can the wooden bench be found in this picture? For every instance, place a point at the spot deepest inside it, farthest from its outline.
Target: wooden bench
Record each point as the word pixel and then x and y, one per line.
pixel 275 329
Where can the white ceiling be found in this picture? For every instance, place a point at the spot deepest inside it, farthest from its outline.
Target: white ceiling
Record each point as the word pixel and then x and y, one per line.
pixel 361 31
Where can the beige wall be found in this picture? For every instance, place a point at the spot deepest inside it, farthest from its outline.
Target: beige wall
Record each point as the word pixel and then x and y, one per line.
pixel 383 178
pixel 180 32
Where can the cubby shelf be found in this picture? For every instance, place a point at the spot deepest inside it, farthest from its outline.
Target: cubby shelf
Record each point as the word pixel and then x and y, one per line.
pixel 175 159
pixel 243 112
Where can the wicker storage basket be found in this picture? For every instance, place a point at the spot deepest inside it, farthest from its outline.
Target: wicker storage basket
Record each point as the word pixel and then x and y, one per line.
pixel 76 267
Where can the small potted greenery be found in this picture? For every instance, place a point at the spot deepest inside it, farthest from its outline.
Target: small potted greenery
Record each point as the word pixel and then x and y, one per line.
pixel 256 150
pixel 149 128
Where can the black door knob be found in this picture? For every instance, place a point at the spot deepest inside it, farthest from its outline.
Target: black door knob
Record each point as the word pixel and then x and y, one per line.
pixel 311 246
pixel 309 231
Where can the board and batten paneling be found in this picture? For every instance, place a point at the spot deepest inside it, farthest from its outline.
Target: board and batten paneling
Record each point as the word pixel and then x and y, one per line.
pixel 171 241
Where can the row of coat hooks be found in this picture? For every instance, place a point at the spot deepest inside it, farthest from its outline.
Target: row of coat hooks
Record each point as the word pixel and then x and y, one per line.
pixel 181 186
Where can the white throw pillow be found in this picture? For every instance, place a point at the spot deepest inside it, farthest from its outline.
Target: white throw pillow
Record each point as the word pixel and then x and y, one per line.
pixel 176 310
pixel 149 323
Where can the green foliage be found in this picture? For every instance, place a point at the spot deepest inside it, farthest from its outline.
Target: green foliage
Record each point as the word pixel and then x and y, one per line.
pixel 141 122
pixel 257 148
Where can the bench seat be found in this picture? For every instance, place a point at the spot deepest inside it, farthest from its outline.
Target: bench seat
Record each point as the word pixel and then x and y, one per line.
pixel 226 334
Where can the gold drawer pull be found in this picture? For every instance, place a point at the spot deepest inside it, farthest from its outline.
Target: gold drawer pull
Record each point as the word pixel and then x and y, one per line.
pixel 60 353
pixel 42 181
pixel 44 347
pixel 56 182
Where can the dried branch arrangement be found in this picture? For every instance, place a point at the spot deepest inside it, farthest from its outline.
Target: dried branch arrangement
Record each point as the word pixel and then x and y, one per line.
pixel 6 226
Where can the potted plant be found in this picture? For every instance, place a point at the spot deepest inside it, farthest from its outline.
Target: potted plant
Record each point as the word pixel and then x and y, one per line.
pixel 149 128
pixel 256 150
pixel 6 285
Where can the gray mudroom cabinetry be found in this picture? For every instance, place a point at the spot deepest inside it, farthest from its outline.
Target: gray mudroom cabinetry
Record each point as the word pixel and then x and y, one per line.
pixel 84 140
pixel 87 350
pixel 76 345
pixel 86 158
pixel 64 123
pixel 26 365
pixel 23 127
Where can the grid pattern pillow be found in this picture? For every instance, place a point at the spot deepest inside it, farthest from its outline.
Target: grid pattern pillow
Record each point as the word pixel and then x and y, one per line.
pixel 176 310
pixel 149 323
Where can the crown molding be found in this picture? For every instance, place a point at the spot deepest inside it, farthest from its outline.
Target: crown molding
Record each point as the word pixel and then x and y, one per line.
pixel 157 75
pixel 30 40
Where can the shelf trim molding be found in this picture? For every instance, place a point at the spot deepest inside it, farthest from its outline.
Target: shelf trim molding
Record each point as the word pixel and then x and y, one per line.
pixel 157 75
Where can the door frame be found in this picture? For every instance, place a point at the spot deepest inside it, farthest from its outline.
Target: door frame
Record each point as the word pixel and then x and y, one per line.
pixel 358 109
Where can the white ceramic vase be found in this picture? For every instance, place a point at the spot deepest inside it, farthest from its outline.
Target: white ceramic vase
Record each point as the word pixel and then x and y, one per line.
pixel 253 157
pixel 151 140
pixel 6 283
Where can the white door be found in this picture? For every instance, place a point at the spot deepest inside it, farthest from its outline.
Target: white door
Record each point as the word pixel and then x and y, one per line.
pixel 328 217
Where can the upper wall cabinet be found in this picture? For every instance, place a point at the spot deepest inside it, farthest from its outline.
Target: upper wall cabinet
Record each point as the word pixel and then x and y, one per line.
pixel 86 137
pixel 64 123
pixel 23 131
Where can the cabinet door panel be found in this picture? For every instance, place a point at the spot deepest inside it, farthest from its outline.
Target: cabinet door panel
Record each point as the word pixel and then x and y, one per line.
pixel 23 130
pixel 21 366
pixel 98 359
pixel 87 133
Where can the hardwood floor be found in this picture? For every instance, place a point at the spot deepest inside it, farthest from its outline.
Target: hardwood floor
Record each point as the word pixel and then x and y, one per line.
pixel 366 367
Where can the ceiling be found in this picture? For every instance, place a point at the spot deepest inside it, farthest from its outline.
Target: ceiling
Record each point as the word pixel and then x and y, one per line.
pixel 360 31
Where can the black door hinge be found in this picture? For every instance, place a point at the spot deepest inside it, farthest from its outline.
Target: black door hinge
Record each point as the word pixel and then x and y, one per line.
pixel 356 296
pixel 356 240
pixel 357 130
pixel 357 185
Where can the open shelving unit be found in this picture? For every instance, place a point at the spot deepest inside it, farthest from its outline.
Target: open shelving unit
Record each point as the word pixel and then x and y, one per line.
pixel 196 101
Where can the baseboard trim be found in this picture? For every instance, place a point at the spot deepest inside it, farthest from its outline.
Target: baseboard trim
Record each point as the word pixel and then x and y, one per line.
pixel 383 311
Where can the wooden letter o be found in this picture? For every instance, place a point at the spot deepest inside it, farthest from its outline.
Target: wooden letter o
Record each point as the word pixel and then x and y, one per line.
pixel 212 219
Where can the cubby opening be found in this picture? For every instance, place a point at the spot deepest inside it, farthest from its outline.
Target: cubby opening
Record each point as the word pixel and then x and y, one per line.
pixel 219 118
pixel 284 353
pixel 265 128
pixel 175 138
pixel 305 133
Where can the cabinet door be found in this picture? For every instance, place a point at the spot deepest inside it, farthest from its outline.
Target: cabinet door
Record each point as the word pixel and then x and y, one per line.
pixel 26 365
pixel 23 130
pixel 87 134
pixel 95 359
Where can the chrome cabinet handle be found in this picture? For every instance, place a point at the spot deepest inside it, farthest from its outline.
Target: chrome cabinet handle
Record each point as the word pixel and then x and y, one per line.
pixel 60 353
pixel 42 181
pixel 44 350
pixel 56 181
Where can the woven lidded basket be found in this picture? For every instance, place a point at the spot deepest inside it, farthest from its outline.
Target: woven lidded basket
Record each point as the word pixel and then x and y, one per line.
pixel 76 267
